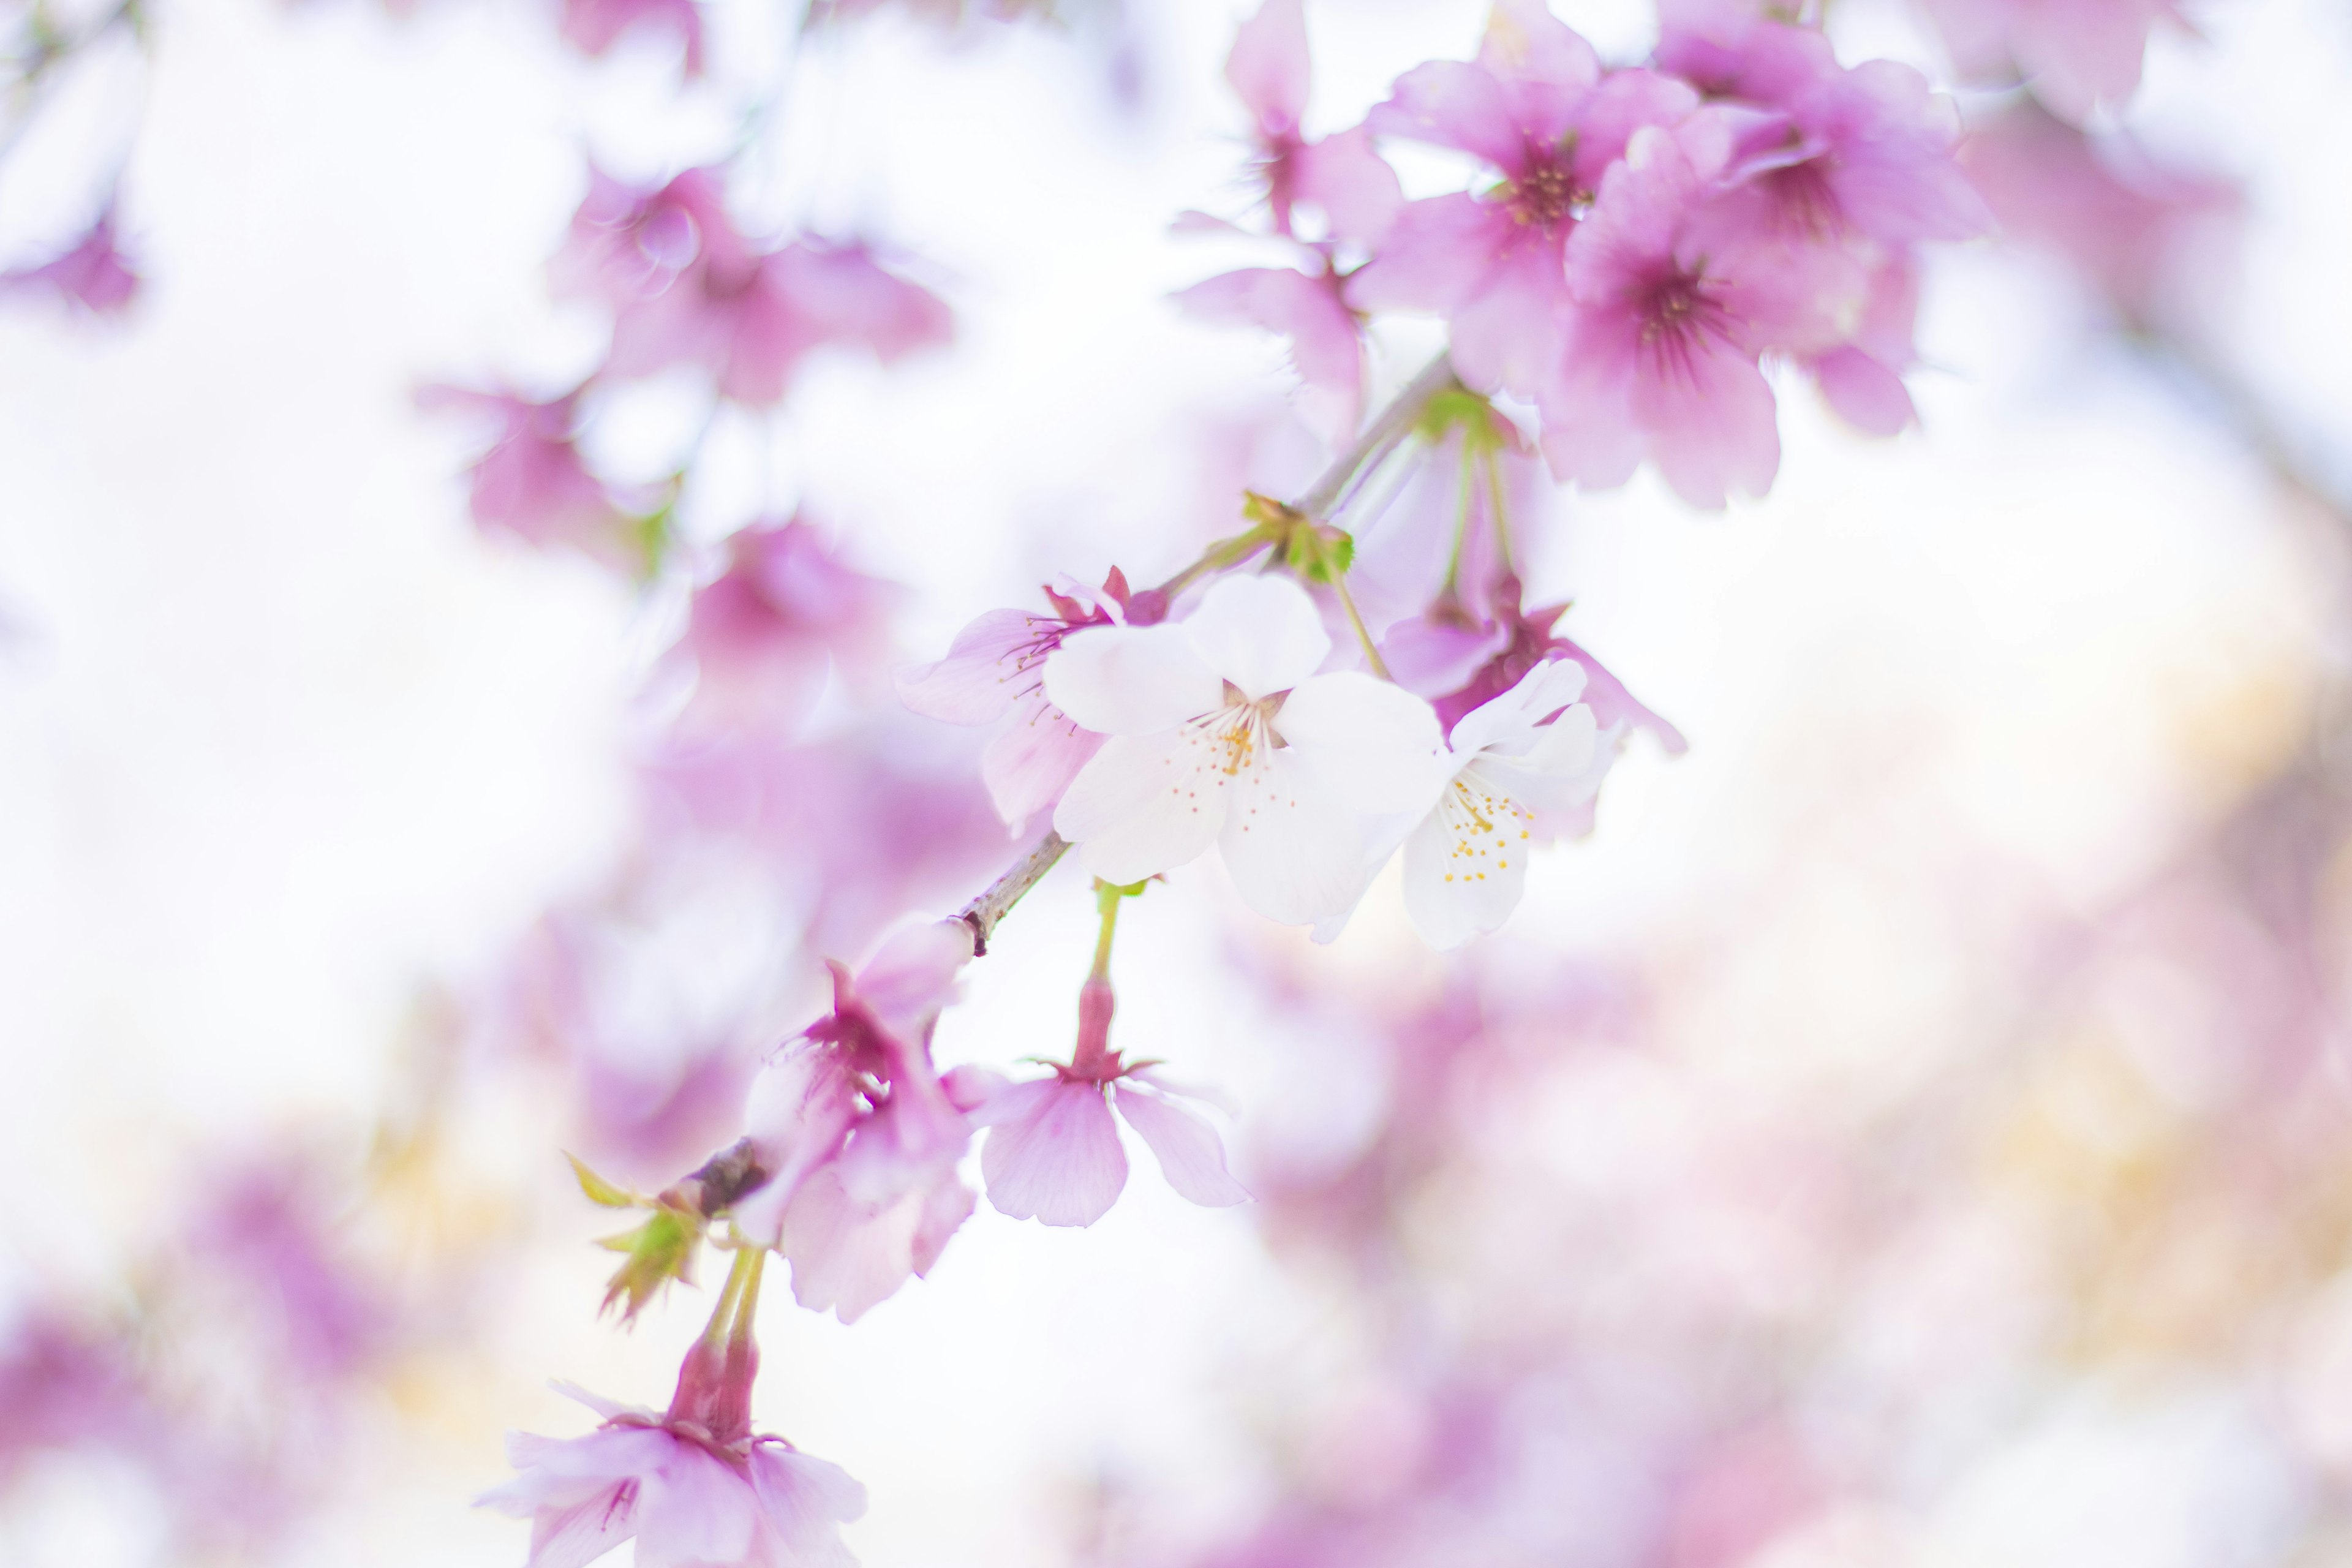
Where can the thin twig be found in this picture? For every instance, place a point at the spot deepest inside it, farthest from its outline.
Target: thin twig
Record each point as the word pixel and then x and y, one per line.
pixel 982 913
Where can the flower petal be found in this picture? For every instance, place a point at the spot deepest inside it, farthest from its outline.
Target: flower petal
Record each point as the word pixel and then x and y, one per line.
pixel 1467 864
pixel 1130 680
pixel 694 1510
pixel 1371 743
pixel 806 1500
pixel 975 682
pixel 1054 1154
pixel 1032 760
pixel 1263 634
pixel 571 1537
pixel 1453 104
pixel 1295 852
pixel 1510 721
pixel 1143 805
pixel 1191 1155
pixel 1268 65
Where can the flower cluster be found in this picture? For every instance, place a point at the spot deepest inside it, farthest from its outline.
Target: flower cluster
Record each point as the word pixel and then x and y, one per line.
pixel 1644 238
pixel 1354 680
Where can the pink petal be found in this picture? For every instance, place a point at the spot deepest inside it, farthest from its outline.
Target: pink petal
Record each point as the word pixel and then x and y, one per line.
pixel 1268 65
pixel 1308 311
pixel 1543 67
pixel 1029 765
pixel 694 1510
pixel 977 682
pixel 1866 393
pixel 1190 1152
pixel 570 1537
pixel 1712 426
pixel 1352 183
pixel 807 1501
pixel 1053 1154
pixel 1452 105
pixel 1507 334
pixel 1437 255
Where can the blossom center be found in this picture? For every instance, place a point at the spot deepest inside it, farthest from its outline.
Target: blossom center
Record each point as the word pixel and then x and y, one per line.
pixel 1482 824
pixel 1545 192
pixel 1679 314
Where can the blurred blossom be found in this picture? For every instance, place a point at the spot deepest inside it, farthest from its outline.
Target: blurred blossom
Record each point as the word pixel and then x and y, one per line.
pixel 2080 55
pixel 93 275
pixel 596 25
pixel 533 483
pixel 763 634
pixel 2122 219
pixel 687 287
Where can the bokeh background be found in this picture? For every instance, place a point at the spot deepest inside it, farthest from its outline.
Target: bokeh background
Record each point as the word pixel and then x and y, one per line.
pixel 1912 1128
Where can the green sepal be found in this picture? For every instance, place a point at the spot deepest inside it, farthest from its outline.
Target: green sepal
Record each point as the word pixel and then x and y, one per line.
pixel 660 1250
pixel 602 1193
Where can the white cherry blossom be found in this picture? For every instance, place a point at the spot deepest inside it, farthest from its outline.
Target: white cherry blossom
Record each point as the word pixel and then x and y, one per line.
pixel 1467 864
pixel 1221 732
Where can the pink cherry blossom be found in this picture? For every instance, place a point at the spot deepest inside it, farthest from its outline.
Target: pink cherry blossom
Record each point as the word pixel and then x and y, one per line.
pixel 762 637
pixel 1310 309
pixel 687 287
pixel 1665 329
pixel 1534 747
pixel 92 275
pixel 2107 207
pixel 1536 108
pixel 994 669
pixel 688 1495
pixel 856 1135
pixel 1052 1152
pixel 1223 733
pixel 533 482
pixel 1529 640
pixel 596 25
pixel 2081 54
pixel 1341 175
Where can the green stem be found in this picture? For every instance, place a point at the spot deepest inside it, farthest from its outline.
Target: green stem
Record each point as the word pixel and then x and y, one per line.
pixel 730 1310
pixel 1502 519
pixel 1354 619
pixel 1107 897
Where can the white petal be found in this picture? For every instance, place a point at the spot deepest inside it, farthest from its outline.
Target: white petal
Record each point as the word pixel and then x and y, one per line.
pixel 1263 634
pixel 1509 719
pixel 1561 769
pixel 1295 853
pixel 1374 744
pixel 1143 805
pixel 1130 680
pixel 1467 864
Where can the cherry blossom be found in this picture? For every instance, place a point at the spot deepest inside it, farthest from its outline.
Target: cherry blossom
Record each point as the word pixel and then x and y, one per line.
pixel 762 637
pixel 995 668
pixel 1534 747
pixel 687 287
pixel 1342 178
pixel 856 1136
pixel 686 1492
pixel 1221 732
pixel 1536 108
pixel 533 482
pixel 1664 328
pixel 2108 207
pixel 1341 175
pixel 1052 1152
pixel 2082 55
